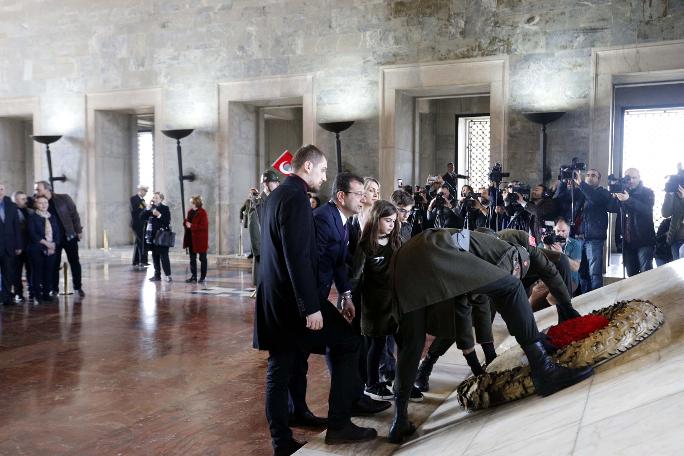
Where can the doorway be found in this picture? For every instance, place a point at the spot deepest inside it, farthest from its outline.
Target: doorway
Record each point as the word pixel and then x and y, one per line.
pixel 16 154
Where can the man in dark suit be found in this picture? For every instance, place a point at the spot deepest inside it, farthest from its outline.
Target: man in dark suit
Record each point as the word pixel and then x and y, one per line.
pixel 333 226
pixel 290 318
pixel 451 178
pixel 138 226
pixel 10 244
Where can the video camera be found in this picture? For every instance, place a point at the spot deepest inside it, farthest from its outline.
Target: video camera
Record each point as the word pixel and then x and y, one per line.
pixel 470 198
pixel 674 182
pixel 567 171
pixel 617 184
pixel 520 189
pixel 552 238
pixel 497 174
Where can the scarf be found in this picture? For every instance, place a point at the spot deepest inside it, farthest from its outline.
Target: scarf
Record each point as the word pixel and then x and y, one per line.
pixel 48 225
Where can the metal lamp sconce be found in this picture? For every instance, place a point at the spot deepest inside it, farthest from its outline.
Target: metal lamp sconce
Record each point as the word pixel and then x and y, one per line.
pixel 542 119
pixel 178 135
pixel 47 140
pixel 337 128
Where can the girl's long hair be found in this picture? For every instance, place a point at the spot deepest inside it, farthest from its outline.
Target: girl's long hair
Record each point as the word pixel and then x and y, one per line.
pixel 369 238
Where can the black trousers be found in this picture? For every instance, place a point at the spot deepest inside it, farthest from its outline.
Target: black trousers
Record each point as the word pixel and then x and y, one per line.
pixel 8 271
pixel 342 350
pixel 71 249
pixel 510 299
pixel 139 250
pixel 42 273
pixel 160 260
pixel 376 349
pixel 203 264
pixel 23 263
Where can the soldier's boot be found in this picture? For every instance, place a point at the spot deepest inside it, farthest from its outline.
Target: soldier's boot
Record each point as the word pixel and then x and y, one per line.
pixel 424 370
pixel 549 377
pixel 401 426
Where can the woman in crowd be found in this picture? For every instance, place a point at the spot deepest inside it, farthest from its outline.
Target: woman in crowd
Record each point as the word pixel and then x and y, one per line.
pixel 196 238
pixel 44 234
pixel 371 275
pixel 674 207
pixel 314 201
pixel 371 187
pixel 158 218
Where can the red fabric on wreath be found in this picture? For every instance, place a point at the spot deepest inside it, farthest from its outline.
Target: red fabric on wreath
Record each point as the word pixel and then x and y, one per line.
pixel 576 329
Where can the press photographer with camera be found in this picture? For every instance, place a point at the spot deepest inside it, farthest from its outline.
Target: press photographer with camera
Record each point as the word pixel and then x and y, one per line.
pixel 518 217
pixel 635 228
pixel 440 212
pixel 590 205
pixel 473 213
pixel 560 241
pixel 674 207
pixel 542 207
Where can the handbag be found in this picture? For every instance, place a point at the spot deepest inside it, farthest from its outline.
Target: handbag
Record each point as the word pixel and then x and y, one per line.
pixel 164 238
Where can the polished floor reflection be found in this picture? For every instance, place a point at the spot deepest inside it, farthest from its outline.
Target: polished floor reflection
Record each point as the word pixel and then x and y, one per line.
pixel 138 368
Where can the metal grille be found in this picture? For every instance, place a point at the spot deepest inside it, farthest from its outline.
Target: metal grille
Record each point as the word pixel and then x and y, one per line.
pixel 653 141
pixel 477 151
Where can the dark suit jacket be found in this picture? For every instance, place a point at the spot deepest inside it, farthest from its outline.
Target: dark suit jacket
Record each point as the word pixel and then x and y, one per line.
pixel 137 208
pixel 36 230
pixel 158 223
pixel 332 250
pixel 449 179
pixel 10 231
pixel 287 286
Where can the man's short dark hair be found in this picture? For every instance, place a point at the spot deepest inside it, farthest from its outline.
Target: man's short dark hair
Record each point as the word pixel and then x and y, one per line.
pixel 445 186
pixel 402 198
pixel 46 185
pixel 597 172
pixel 306 153
pixel 342 182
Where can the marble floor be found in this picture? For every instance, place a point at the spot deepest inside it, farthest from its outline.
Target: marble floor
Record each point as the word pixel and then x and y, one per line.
pixel 138 368
pixel 631 406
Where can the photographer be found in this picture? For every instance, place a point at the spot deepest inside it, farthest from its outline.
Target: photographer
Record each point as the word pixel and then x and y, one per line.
pixel 518 217
pixel 440 212
pixel 674 207
pixel 560 241
pixel 593 202
pixel 542 207
pixel 636 212
pixel 473 213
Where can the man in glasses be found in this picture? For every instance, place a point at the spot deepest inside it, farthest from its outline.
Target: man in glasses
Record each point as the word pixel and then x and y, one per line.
pixel 404 203
pixel 592 204
pixel 637 219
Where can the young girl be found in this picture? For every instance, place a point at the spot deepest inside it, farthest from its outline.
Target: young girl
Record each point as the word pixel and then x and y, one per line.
pixel 379 241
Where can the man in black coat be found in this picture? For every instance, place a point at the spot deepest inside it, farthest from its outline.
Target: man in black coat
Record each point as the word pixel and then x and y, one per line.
pixel 290 317
pixel 23 211
pixel 138 226
pixel 638 247
pixel 10 244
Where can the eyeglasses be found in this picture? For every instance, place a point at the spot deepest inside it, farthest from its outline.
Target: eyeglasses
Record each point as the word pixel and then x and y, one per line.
pixel 402 211
pixel 355 193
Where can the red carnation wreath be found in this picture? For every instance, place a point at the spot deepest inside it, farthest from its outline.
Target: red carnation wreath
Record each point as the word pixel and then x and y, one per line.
pixel 563 334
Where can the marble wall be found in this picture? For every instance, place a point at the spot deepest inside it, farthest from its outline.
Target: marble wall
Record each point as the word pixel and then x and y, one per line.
pixel 60 51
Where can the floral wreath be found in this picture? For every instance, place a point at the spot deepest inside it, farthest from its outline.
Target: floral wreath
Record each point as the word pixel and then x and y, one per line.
pixel 585 341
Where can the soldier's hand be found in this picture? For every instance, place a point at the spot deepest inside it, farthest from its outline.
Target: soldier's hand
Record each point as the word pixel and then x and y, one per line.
pixel 314 321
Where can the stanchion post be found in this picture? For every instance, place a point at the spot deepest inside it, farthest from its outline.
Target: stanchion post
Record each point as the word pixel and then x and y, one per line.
pixel 66 291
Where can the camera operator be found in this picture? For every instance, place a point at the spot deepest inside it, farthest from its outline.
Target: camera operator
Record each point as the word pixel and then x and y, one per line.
pixel 542 207
pixel 674 207
pixel 638 238
pixel 440 212
pixel 593 202
pixel 518 217
pixel 473 213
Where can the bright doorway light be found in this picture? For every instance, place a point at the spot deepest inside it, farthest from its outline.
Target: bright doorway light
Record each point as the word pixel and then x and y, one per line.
pixel 146 159
pixel 654 144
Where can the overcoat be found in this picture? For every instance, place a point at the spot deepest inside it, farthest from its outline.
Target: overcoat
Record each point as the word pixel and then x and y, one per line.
pixel 198 232
pixel 287 288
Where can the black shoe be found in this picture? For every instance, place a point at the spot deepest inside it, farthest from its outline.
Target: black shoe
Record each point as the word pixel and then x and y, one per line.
pixel 416 395
pixel 401 426
pixel 351 433
pixel 367 406
pixel 290 449
pixel 155 279
pixel 19 299
pixel 379 392
pixel 308 419
pixel 80 292
pixel 192 279
pixel 549 377
pixel 424 371
pixel 201 280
